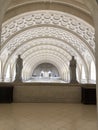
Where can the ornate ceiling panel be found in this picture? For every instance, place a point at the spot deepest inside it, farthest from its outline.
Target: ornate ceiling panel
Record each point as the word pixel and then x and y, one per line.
pixel 53 18
pixel 47 32
pixel 40 33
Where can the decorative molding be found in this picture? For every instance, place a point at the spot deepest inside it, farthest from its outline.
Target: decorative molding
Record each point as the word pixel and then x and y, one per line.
pixel 48 18
pixel 47 32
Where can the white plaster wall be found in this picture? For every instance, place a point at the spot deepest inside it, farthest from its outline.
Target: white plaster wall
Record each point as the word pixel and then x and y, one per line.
pixel 93 6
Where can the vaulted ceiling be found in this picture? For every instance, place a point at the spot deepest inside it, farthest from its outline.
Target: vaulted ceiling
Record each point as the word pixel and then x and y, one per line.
pixel 48 31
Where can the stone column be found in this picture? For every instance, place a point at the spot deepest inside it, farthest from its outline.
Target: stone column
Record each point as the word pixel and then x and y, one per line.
pixel 10 73
pixel 89 72
pixel 2 71
pixel 79 75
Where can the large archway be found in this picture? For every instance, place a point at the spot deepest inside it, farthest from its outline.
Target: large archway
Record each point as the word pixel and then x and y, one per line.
pixel 52 34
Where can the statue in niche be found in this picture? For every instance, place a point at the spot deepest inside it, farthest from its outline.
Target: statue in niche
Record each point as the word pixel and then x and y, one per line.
pixel 19 66
pixel 73 70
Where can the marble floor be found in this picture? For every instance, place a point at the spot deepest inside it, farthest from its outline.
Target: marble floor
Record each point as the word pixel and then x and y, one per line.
pixel 47 116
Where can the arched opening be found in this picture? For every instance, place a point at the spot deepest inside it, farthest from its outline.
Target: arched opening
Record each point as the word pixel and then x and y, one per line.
pixel 83 78
pixel 7 76
pixel 45 72
pixel 93 72
pixel 49 33
pixel 67 21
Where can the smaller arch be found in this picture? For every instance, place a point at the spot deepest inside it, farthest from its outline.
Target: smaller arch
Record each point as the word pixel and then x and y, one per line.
pixel 46 69
pixel 93 72
pixel 7 76
pixel 83 75
pixel 42 59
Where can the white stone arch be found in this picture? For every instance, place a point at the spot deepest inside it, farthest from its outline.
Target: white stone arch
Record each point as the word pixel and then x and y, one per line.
pixel 41 52
pixel 44 32
pixel 73 24
pixel 34 63
pixel 42 57
pixel 48 61
pixel 70 29
pixel 93 71
pixel 86 30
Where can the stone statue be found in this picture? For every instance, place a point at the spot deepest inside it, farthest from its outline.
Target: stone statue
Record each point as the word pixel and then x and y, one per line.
pixel 73 70
pixel 19 66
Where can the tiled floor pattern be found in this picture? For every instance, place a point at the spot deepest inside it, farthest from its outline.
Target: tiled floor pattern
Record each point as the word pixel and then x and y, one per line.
pixel 47 116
